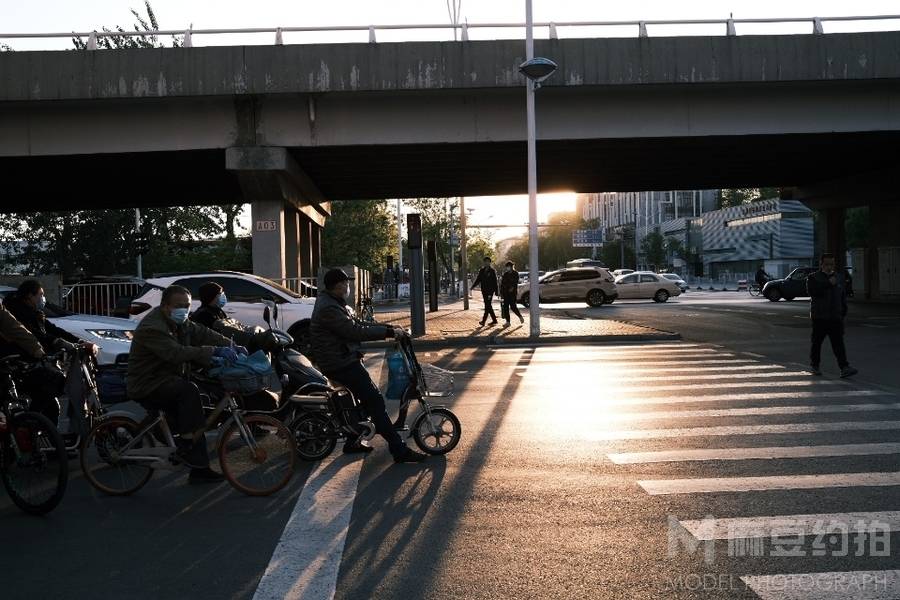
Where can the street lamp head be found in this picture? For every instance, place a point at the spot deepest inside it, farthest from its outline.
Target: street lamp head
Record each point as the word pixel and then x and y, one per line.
pixel 537 69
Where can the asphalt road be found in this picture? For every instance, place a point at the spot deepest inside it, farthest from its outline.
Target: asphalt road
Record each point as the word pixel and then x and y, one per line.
pixel 582 472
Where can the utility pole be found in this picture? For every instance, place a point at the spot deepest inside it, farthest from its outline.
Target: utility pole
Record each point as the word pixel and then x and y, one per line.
pixel 399 241
pixel 463 255
pixel 534 308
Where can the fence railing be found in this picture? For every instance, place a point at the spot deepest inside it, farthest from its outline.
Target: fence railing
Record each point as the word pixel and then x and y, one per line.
pixel 461 30
pixel 106 299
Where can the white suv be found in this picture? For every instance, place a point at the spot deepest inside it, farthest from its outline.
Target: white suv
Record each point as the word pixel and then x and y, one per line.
pixel 593 285
pixel 245 295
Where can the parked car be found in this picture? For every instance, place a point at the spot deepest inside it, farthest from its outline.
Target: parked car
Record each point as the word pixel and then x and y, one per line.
pixel 245 295
pixel 619 272
pixel 111 334
pixel 790 287
pixel 585 262
pixel 594 285
pixel 677 279
pixel 644 284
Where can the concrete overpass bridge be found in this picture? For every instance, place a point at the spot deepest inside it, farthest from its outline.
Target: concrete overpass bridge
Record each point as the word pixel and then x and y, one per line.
pixel 289 128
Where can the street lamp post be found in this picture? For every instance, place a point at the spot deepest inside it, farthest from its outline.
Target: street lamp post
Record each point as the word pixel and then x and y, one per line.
pixel 535 70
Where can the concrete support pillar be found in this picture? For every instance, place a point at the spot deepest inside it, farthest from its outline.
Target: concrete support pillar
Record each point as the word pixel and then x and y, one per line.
pixel 830 233
pixel 316 244
pixel 268 238
pixel 292 220
pixel 306 250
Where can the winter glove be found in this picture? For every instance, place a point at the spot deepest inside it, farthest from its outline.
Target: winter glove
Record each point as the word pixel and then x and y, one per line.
pixel 225 353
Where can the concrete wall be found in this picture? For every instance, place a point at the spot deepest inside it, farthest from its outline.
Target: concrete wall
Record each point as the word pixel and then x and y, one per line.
pixel 292 69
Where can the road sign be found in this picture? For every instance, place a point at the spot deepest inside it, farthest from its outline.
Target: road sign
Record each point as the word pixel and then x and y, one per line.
pixel 585 238
pixel 267 225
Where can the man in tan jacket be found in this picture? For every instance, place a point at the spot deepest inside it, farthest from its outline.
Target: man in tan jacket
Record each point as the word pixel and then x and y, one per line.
pixel 15 339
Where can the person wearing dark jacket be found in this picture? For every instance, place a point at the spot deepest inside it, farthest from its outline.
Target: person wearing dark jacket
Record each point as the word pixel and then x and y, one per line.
pixel 335 336
pixel 487 279
pixel 44 385
pixel 16 339
pixel 164 346
pixel 212 300
pixel 827 290
pixel 509 288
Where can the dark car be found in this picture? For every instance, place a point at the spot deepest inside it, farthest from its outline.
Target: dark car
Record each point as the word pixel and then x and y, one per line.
pixel 792 286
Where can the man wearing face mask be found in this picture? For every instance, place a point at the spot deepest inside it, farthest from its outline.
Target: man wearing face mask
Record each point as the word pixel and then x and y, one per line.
pixel 335 336
pixel 162 350
pixel 44 384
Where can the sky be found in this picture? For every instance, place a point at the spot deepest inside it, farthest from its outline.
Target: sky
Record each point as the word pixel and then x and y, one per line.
pixel 47 16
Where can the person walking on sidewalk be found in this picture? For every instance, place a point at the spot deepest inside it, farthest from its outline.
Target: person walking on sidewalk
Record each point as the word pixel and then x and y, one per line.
pixel 509 287
pixel 487 279
pixel 827 290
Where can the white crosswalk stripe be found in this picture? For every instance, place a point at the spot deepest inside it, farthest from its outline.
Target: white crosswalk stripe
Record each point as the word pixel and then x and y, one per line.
pixel 719 379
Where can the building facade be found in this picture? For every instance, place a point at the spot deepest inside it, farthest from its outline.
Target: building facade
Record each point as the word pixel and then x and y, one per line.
pixel 777 234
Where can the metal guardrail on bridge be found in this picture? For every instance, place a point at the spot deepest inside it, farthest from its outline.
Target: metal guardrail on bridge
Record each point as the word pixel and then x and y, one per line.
pixel 111 299
pixel 730 28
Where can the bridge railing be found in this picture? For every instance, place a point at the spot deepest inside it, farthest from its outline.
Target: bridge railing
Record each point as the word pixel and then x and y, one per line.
pixel 461 31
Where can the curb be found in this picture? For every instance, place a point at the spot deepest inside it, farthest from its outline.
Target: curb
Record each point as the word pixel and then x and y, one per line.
pixel 662 336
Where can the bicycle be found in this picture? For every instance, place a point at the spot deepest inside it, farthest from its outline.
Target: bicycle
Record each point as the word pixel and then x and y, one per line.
pixel 34 466
pixel 366 309
pixel 256 452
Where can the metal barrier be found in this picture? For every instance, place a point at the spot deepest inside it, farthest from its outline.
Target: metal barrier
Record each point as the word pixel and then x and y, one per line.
pixel 730 26
pixel 305 286
pixel 107 299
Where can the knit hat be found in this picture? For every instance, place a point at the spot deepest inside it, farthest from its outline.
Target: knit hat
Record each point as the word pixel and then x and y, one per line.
pixel 334 277
pixel 208 291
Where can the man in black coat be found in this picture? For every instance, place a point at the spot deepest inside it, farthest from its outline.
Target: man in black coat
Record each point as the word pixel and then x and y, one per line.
pixel 509 287
pixel 827 290
pixel 487 279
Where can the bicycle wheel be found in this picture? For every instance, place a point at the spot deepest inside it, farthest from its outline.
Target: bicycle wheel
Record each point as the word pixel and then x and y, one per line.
pixel 35 467
pixel 102 461
pixel 263 463
pixel 438 435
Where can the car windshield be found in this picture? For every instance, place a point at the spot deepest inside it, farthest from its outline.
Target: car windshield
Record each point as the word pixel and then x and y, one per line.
pixel 547 276
pixel 277 286
pixel 671 276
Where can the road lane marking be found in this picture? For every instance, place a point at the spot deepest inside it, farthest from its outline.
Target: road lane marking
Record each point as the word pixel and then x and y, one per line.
pixel 643 434
pixel 692 369
pixel 750 412
pixel 773 452
pixel 708 376
pixel 662 487
pixel 724 385
pixel 756 397
pixel 780 526
pixel 833 585
pixel 680 361
pixel 306 562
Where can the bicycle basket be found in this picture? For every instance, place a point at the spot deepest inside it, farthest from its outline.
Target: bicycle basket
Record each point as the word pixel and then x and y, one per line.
pixel 438 381
pixel 246 383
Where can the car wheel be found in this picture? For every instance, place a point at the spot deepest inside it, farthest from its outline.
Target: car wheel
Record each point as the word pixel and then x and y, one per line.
pixel 772 295
pixel 596 298
pixel 788 298
pixel 661 296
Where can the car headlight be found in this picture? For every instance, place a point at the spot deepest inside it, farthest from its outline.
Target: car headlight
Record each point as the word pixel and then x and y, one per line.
pixel 121 335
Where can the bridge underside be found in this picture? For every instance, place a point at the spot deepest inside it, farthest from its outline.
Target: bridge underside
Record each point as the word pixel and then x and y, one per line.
pixel 192 177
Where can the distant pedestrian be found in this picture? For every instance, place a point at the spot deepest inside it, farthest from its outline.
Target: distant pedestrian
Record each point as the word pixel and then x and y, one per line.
pixel 487 279
pixel 827 290
pixel 509 287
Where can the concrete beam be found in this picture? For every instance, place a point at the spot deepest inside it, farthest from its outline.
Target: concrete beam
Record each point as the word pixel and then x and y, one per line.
pixel 321 68
pixel 295 185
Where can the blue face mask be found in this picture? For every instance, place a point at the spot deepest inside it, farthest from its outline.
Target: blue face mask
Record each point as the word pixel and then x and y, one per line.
pixel 179 315
pixel 42 302
pixel 221 300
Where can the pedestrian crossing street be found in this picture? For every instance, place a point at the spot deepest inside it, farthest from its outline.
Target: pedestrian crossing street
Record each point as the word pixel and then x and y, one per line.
pixel 743 401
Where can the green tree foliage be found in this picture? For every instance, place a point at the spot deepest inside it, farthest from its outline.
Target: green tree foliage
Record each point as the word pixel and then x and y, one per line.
pixel 477 247
pixel 611 254
pixel 554 244
pixel 653 249
pixel 739 196
pixel 856 227
pixel 440 218
pixel 113 42
pixel 675 247
pixel 359 232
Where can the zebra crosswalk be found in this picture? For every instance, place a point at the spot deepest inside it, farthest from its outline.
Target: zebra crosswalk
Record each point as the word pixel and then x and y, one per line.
pixel 755 417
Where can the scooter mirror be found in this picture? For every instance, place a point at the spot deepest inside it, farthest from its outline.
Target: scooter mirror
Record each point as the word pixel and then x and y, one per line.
pixel 267 317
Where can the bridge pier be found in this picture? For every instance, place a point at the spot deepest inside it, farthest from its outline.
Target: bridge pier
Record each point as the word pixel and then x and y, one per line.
pixel 288 211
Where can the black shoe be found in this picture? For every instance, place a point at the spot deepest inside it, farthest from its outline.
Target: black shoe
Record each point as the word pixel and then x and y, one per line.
pixel 357 448
pixel 205 475
pixel 815 370
pixel 183 451
pixel 481 324
pixel 408 455
pixel 848 371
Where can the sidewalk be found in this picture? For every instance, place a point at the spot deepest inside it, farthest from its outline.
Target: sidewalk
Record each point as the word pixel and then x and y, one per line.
pixel 450 325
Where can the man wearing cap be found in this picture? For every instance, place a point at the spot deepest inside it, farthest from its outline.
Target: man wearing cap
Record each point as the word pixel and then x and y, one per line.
pixel 335 337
